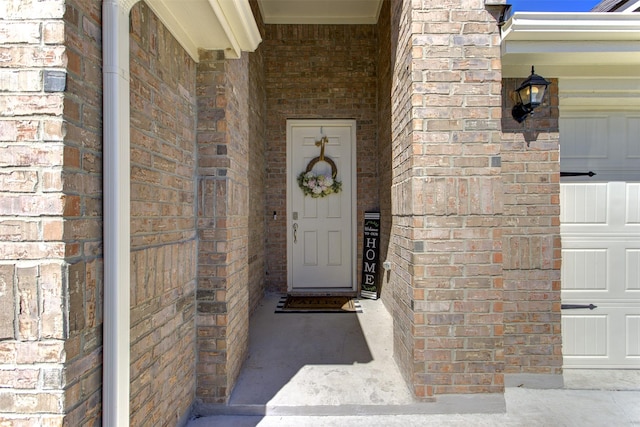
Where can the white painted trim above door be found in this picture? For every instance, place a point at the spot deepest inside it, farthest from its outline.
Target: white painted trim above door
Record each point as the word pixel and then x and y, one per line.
pixel 292 185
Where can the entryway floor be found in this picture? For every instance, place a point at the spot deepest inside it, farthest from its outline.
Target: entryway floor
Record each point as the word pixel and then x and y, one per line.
pixel 337 369
pixel 320 359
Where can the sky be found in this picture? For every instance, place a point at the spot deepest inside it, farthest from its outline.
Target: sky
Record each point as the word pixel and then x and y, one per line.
pixel 552 5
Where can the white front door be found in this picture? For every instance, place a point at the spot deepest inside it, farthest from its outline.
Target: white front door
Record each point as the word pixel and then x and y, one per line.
pixel 321 230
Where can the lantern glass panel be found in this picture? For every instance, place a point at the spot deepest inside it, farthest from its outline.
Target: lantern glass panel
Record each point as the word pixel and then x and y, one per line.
pixel 532 95
pixel 537 94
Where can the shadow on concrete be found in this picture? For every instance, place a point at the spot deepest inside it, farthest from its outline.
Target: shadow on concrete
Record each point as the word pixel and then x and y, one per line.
pixel 326 365
pixel 322 363
pixel 283 345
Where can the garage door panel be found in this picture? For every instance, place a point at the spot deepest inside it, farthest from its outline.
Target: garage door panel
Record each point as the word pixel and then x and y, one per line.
pixel 633 336
pixel 604 142
pixel 633 203
pixel 604 337
pixel 589 335
pixel 583 203
pixel 584 269
pixel 633 130
pixel 583 137
pixel 589 269
pixel 601 266
pixel 632 280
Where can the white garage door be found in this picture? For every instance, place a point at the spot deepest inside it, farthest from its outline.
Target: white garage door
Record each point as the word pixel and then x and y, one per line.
pixel 601 266
pixel 600 227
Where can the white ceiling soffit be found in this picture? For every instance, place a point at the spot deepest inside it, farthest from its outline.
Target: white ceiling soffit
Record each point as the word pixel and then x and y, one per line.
pixel 320 11
pixel 226 25
pixel 599 93
pixel 571 44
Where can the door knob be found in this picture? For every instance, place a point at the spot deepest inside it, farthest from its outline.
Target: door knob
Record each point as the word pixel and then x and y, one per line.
pixel 295 232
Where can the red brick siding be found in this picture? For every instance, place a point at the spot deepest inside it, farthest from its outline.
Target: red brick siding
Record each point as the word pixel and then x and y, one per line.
pixel 163 257
pixel 531 240
pixel 82 181
pixel 399 243
pixel 317 71
pixel 36 243
pixel 257 171
pixel 237 75
pixel 231 215
pixel 448 200
pixel 385 169
pixel 211 319
pixel 462 277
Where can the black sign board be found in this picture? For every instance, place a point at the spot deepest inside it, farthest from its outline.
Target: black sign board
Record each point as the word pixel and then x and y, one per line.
pixel 370 255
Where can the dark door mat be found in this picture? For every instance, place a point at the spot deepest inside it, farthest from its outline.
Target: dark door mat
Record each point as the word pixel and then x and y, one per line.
pixel 319 304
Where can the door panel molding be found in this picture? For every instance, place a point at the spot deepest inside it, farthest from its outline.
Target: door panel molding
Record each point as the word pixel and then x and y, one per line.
pixel 330 210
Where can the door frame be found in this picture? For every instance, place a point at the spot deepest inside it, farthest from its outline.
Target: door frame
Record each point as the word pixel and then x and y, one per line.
pixel 292 182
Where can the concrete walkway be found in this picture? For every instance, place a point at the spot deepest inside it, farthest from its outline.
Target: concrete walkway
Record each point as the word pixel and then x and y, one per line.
pixel 338 370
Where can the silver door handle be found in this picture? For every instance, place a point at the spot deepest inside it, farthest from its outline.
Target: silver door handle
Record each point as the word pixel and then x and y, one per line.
pixel 295 232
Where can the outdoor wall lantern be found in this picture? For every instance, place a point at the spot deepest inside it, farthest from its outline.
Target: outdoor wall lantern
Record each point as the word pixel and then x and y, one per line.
pixel 528 96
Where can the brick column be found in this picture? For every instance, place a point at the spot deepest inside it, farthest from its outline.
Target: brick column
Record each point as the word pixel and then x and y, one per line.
pixel 33 270
pixel 531 241
pixel 447 198
pixel 211 316
pixel 82 181
pixel 223 276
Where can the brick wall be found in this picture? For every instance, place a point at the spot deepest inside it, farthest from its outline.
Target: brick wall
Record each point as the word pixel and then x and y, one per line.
pixel 531 240
pixel 447 199
pixel 474 239
pixel 317 71
pixel 237 217
pixel 230 216
pixel 384 83
pixel 257 170
pixel 163 223
pixel 213 163
pixel 82 180
pixel 35 242
pixel 399 243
